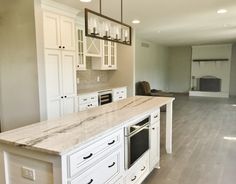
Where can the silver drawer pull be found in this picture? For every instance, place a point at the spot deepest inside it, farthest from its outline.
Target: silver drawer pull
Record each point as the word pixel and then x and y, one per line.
pixel 111 165
pixel 90 155
pixel 110 143
pixel 91 181
pixel 134 178
pixel 143 168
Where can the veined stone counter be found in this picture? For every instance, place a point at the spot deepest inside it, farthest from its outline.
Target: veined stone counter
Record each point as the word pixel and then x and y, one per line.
pixel 62 135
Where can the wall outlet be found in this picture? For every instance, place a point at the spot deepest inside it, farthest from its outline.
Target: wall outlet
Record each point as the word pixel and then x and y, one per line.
pixel 98 79
pixel 28 173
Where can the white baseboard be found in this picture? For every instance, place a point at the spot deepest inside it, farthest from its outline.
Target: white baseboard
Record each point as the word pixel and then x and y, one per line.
pixel 209 94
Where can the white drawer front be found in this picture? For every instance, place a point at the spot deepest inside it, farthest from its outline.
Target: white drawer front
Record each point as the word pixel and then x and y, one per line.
pixel 155 116
pixel 102 172
pixel 138 171
pixel 86 106
pixel 119 94
pixel 88 98
pixel 80 160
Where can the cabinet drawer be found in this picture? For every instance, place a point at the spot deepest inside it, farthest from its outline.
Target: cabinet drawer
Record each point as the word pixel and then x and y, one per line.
pixel 102 172
pixel 155 116
pixel 86 106
pixel 139 170
pixel 119 93
pixel 81 160
pixel 88 98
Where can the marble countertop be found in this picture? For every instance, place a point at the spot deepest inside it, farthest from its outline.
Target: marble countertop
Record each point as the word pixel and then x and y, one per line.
pixel 64 134
pixel 97 89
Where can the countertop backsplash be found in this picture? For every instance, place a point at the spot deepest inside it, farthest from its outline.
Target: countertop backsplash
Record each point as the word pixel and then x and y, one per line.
pixel 89 78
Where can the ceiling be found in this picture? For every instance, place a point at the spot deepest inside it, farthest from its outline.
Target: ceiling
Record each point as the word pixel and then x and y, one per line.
pixel 173 22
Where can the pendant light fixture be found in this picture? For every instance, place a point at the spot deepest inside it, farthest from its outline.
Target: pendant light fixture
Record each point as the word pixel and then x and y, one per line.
pixel 103 27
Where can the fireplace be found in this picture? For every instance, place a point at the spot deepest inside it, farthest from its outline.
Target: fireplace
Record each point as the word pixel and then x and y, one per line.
pixel 210 83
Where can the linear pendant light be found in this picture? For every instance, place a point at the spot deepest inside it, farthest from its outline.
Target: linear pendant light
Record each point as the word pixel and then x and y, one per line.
pixel 103 27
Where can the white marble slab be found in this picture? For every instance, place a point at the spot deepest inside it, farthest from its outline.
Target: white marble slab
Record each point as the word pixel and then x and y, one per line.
pixel 62 135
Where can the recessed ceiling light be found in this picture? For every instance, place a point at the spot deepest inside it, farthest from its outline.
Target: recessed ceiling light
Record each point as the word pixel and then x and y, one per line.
pixel 222 11
pixel 136 21
pixel 85 1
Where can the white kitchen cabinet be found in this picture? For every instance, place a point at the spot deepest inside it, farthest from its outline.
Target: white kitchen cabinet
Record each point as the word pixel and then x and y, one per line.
pixel 93 47
pixel 81 46
pixel 154 145
pixel 139 171
pixel 119 93
pixel 110 166
pixel 108 61
pixel 59 31
pixel 60 82
pixel 87 101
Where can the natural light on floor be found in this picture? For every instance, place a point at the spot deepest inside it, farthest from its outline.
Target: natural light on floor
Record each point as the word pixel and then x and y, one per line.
pixel 234 105
pixel 230 138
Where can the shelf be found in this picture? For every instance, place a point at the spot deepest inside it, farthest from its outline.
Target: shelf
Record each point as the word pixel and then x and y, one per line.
pixel 210 60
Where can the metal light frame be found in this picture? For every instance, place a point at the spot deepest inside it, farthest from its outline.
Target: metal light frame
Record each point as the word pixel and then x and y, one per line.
pixel 124 36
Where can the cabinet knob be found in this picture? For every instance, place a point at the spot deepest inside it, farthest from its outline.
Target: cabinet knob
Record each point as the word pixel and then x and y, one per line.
pixel 91 181
pixel 143 168
pixel 111 165
pixel 78 66
pixel 62 97
pixel 59 47
pixel 65 96
pixel 134 178
pixel 112 142
pixel 153 128
pixel 63 47
pixel 87 157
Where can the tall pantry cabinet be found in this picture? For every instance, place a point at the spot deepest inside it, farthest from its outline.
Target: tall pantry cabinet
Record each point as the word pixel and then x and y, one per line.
pixel 60 63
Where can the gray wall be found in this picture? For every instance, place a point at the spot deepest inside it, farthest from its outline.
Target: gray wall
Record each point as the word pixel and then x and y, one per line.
pixel 179 69
pixel 124 75
pixel 151 64
pixel 232 91
pixel 19 84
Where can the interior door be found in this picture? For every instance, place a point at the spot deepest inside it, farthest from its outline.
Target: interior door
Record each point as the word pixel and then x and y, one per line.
pixel 53 83
pixel 67 27
pixel 69 81
pixel 51 26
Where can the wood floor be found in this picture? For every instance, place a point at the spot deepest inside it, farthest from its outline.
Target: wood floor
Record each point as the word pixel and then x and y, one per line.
pixel 202 151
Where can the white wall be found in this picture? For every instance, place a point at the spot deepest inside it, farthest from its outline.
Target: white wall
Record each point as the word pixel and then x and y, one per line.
pixel 19 83
pixel 151 64
pixel 179 69
pixel 232 91
pixel 218 69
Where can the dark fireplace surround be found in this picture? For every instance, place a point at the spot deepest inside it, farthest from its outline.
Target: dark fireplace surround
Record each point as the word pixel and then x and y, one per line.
pixel 210 84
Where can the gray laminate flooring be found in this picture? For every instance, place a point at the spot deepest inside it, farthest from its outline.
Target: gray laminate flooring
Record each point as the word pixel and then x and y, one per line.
pixel 202 150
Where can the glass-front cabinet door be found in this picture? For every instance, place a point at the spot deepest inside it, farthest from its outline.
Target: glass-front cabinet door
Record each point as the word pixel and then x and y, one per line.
pixel 81 63
pixel 113 56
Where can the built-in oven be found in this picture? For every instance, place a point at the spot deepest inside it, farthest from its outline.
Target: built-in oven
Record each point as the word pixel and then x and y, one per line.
pixel 136 140
pixel 104 97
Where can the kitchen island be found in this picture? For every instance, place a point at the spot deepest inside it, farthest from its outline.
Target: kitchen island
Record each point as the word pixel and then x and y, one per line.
pixel 71 149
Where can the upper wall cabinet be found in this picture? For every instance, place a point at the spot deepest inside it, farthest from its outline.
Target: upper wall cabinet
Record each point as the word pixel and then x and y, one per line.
pixel 108 61
pixel 59 32
pixel 81 45
pixel 93 47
